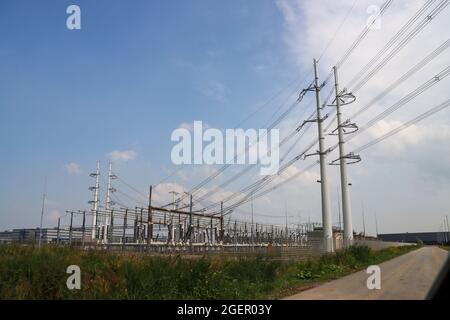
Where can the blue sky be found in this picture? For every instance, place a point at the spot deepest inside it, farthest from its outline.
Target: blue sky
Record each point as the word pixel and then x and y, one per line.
pixel 126 80
pixel 137 70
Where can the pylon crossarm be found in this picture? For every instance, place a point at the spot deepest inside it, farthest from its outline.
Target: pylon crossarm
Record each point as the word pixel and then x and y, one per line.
pixel 312 120
pixel 344 99
pixel 311 87
pixel 324 118
pixel 351 128
pixel 310 155
pixel 317 153
pixel 354 158
pixel 305 122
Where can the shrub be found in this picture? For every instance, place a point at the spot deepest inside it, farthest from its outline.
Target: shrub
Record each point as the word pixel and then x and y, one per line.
pixel 28 272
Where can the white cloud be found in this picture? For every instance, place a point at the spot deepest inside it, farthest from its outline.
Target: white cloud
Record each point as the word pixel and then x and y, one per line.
pixel 51 218
pixel 123 156
pixel 194 172
pixel 72 168
pixel 161 193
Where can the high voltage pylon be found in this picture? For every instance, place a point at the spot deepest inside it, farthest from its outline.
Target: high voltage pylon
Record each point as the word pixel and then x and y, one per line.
pixel 326 213
pixel 94 202
pixel 108 203
pixel 344 98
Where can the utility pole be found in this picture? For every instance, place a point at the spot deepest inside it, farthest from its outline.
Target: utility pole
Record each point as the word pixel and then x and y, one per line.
pixel 149 220
pixel 135 226
pixel 191 227
pixel 253 239
pixel 172 226
pixel 346 208
pixel 339 210
pixel 211 232
pixel 42 213
pixel 95 201
pixel 141 227
pixel 235 235
pixel 70 228
pixel 111 229
pixel 326 214
pixel 83 228
pixel 221 223
pixel 173 193
pixel 286 216
pixel 108 202
pixel 124 230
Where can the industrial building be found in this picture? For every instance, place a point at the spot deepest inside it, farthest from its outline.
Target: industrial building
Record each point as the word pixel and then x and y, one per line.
pixel 426 237
pixel 31 235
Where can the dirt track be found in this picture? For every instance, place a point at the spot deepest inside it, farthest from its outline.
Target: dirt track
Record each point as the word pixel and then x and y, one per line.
pixel 406 277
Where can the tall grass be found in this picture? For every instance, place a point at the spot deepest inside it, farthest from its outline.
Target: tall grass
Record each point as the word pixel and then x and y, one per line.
pixel 27 272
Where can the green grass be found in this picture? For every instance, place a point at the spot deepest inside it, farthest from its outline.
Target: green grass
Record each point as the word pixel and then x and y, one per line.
pixel 27 272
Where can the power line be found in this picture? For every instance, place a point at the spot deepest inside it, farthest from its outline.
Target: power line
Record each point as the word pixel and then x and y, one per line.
pixel 391 42
pixel 141 194
pixel 402 127
pixel 131 197
pixel 261 183
pixel 441 6
pixel 425 61
pixel 363 34
pixel 407 98
pixel 337 30
pixel 396 83
pixel 247 169
pixel 258 185
pixel 355 44
pixel 228 164
pixel 271 189
pixel 418 91
pixel 341 61
pixel 259 109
